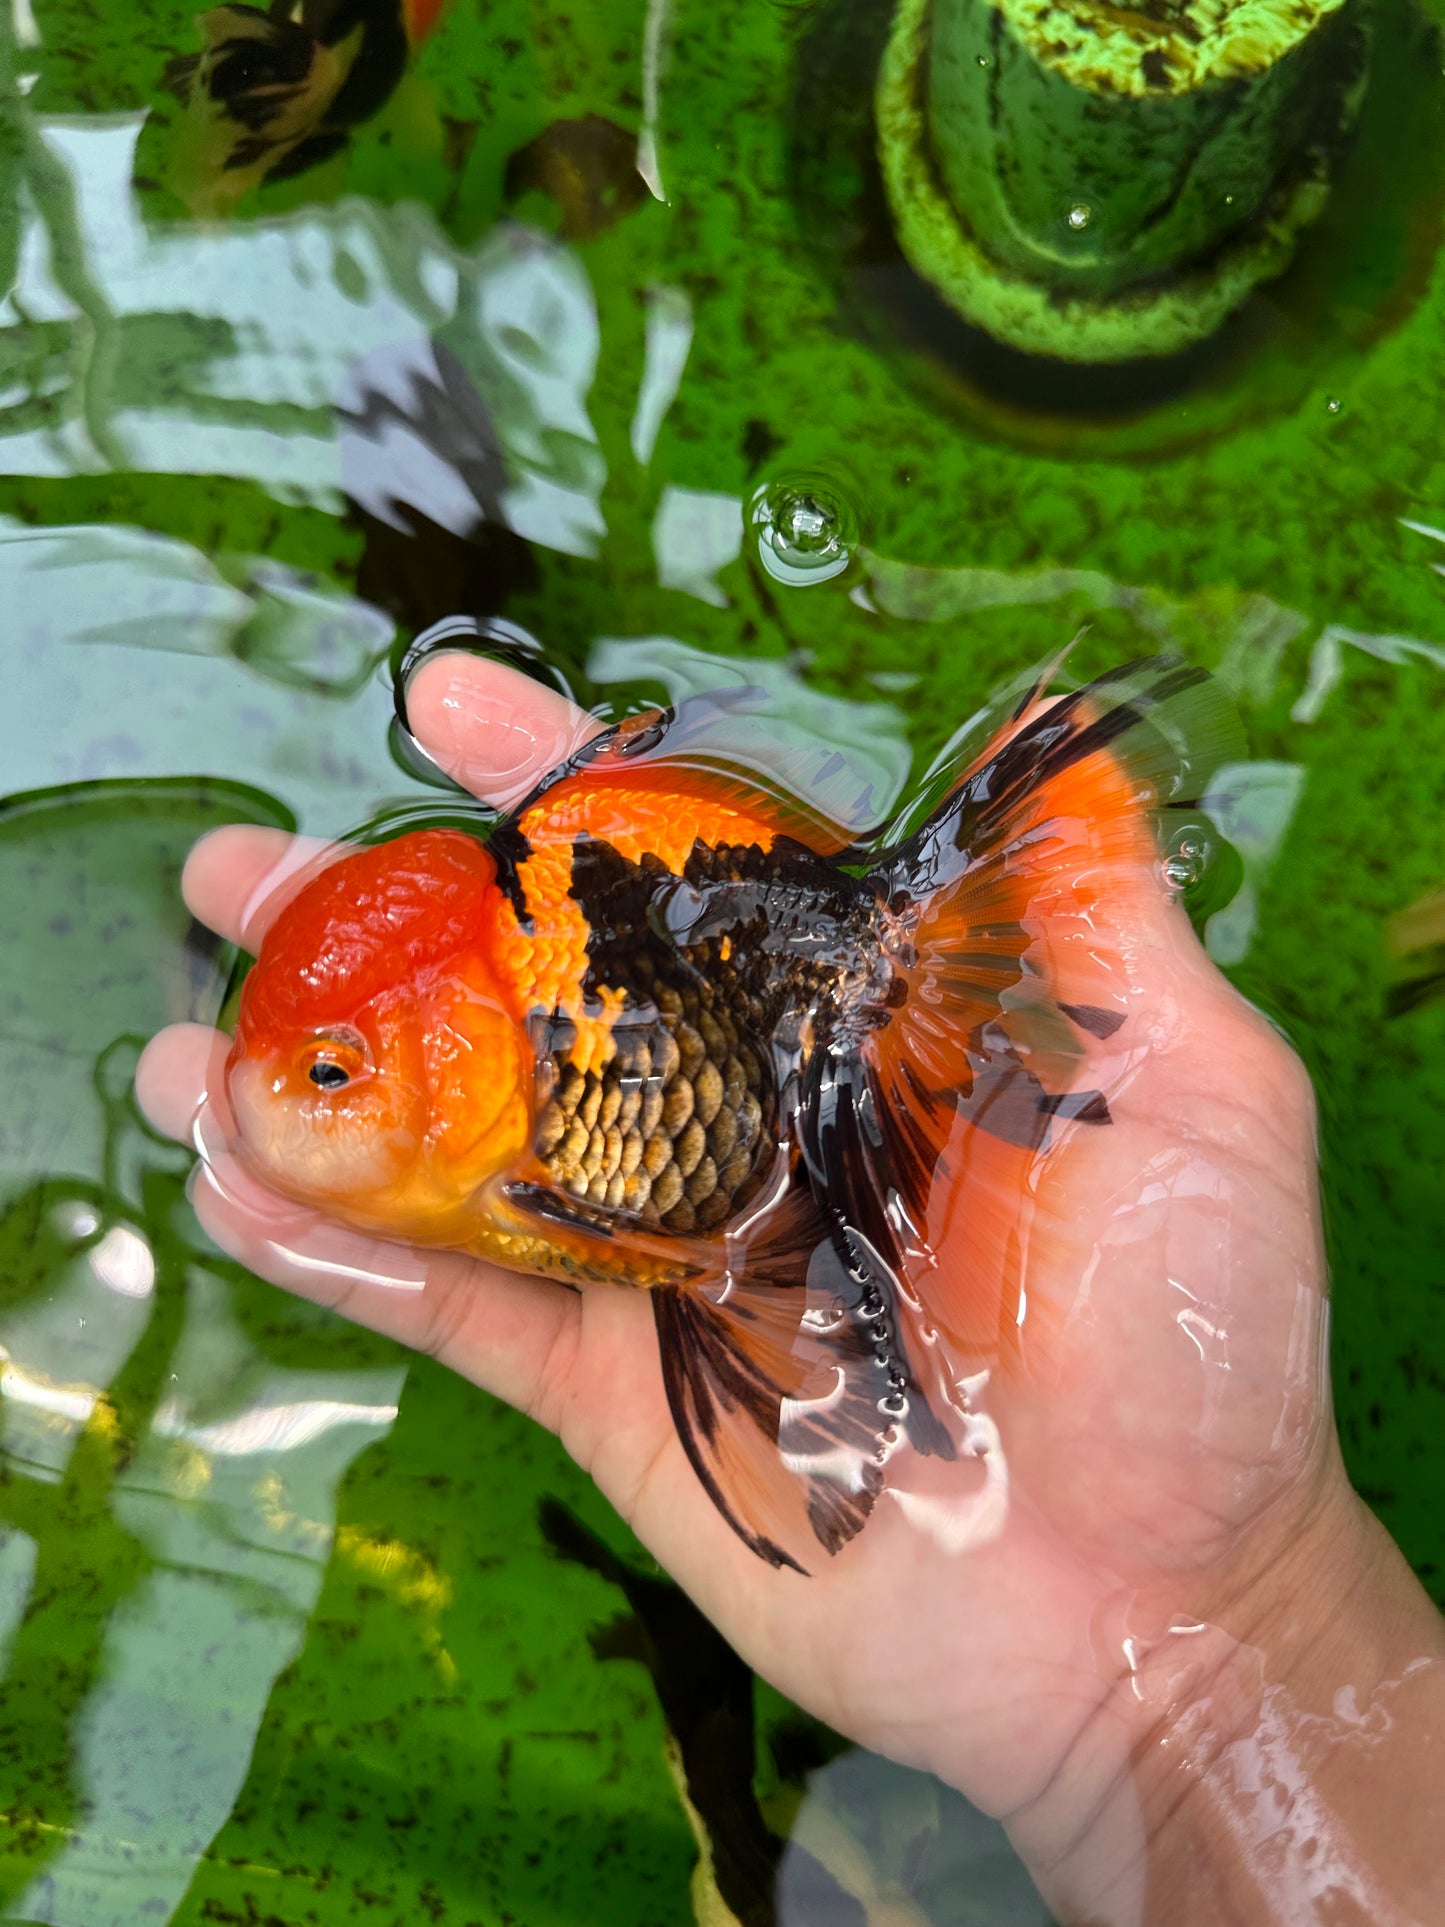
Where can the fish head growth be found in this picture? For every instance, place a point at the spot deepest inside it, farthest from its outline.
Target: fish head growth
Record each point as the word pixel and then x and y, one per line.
pixel 378 1070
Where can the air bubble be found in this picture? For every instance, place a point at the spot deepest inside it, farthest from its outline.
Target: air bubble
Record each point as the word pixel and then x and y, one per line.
pixel 76 1218
pixel 1199 868
pixel 1333 405
pixel 1185 864
pixel 983 60
pixel 1080 215
pixel 805 529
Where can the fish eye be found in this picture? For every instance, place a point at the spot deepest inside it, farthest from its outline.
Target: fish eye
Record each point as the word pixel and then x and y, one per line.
pixel 333 1059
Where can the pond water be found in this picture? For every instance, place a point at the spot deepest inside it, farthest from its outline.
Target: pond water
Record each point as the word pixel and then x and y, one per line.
pixel 596 328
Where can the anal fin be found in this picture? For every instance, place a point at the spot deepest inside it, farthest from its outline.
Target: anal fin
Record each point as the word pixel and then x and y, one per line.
pixel 785 1392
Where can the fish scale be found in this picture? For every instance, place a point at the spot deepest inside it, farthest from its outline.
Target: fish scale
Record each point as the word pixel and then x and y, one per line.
pixel 670 1129
pixel 650 1036
pixel 680 1122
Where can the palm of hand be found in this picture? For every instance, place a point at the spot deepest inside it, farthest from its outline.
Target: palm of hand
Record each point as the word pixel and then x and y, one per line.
pixel 1169 1441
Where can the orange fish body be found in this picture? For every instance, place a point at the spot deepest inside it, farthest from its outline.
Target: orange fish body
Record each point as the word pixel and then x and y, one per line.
pixel 274 92
pixel 667 1029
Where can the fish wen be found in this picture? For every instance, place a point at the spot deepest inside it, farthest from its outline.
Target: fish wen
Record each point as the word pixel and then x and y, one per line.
pixel 276 91
pixel 673 1029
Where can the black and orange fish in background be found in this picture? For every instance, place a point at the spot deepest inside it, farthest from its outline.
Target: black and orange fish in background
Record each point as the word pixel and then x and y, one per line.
pixel 275 91
pixel 1415 940
pixel 669 1029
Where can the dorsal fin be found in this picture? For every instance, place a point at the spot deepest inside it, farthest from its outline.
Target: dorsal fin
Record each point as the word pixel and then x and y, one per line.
pixel 714 753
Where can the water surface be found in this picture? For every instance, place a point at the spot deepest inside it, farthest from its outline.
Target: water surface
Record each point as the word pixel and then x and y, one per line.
pixel 296 1627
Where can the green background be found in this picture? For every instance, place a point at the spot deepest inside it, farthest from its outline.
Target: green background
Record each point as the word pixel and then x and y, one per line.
pixel 285 1633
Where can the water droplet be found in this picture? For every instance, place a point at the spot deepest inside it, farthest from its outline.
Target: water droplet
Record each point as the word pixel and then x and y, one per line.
pixel 983 60
pixel 1080 215
pixel 805 530
pixel 1333 405
pixel 76 1219
pixel 1185 862
pixel 1200 869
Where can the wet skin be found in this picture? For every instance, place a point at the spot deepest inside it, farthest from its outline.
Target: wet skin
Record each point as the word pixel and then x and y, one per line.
pixel 1172 1460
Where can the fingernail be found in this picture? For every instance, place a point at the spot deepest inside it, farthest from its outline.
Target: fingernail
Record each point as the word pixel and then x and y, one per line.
pixel 479 736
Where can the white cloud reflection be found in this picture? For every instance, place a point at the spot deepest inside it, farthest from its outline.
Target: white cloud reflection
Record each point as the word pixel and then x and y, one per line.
pixel 269 1428
pixel 265 322
pixel 73 1403
pixel 124 1263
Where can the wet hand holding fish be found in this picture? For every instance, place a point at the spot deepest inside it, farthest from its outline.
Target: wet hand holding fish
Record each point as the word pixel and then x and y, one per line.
pixel 668 1029
pixel 1178 1535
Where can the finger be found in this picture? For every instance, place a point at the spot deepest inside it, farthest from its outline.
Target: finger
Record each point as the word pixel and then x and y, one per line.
pixel 511 1335
pixel 180 1070
pixel 238 879
pixel 491 728
pixel 498 1329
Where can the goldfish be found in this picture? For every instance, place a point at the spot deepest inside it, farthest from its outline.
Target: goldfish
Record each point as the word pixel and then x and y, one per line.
pixel 670 1028
pixel 1416 942
pixel 274 92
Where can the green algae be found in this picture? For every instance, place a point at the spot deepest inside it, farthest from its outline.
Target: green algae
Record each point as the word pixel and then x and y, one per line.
pixel 1046 167
pixel 1096 148
pixel 352 1670
pixel 1059 277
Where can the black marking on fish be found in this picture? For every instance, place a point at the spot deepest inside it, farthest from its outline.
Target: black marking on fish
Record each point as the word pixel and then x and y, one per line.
pixel 697 1369
pixel 305 154
pixel 1097 1021
pixel 509 849
pixel 557 1208
pixel 380 62
pixel 1008 1100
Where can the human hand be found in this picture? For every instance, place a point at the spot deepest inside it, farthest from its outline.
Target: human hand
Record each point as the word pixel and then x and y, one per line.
pixel 1172 1467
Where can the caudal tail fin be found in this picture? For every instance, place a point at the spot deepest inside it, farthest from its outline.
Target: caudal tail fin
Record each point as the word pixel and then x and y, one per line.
pixel 269 95
pixel 1012 1000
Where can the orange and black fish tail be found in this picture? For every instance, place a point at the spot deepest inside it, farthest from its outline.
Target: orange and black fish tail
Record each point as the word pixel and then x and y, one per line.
pixel 786 1386
pixel 383 46
pixel 276 91
pixel 1012 1003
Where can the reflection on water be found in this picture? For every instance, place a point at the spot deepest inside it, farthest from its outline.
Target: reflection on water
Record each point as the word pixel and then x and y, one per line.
pixel 145 1438
pixel 231 352
pixel 138 653
pixel 903 1850
pixel 251 1561
pixel 839 1838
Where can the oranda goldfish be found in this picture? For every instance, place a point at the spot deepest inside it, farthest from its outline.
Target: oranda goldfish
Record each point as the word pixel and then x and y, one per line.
pixel 273 92
pixel 669 1030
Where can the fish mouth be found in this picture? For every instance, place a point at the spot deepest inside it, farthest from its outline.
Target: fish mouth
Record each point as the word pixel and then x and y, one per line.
pixel 305 1146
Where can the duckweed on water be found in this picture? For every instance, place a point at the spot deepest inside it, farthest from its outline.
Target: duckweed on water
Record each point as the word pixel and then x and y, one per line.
pixel 597 329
